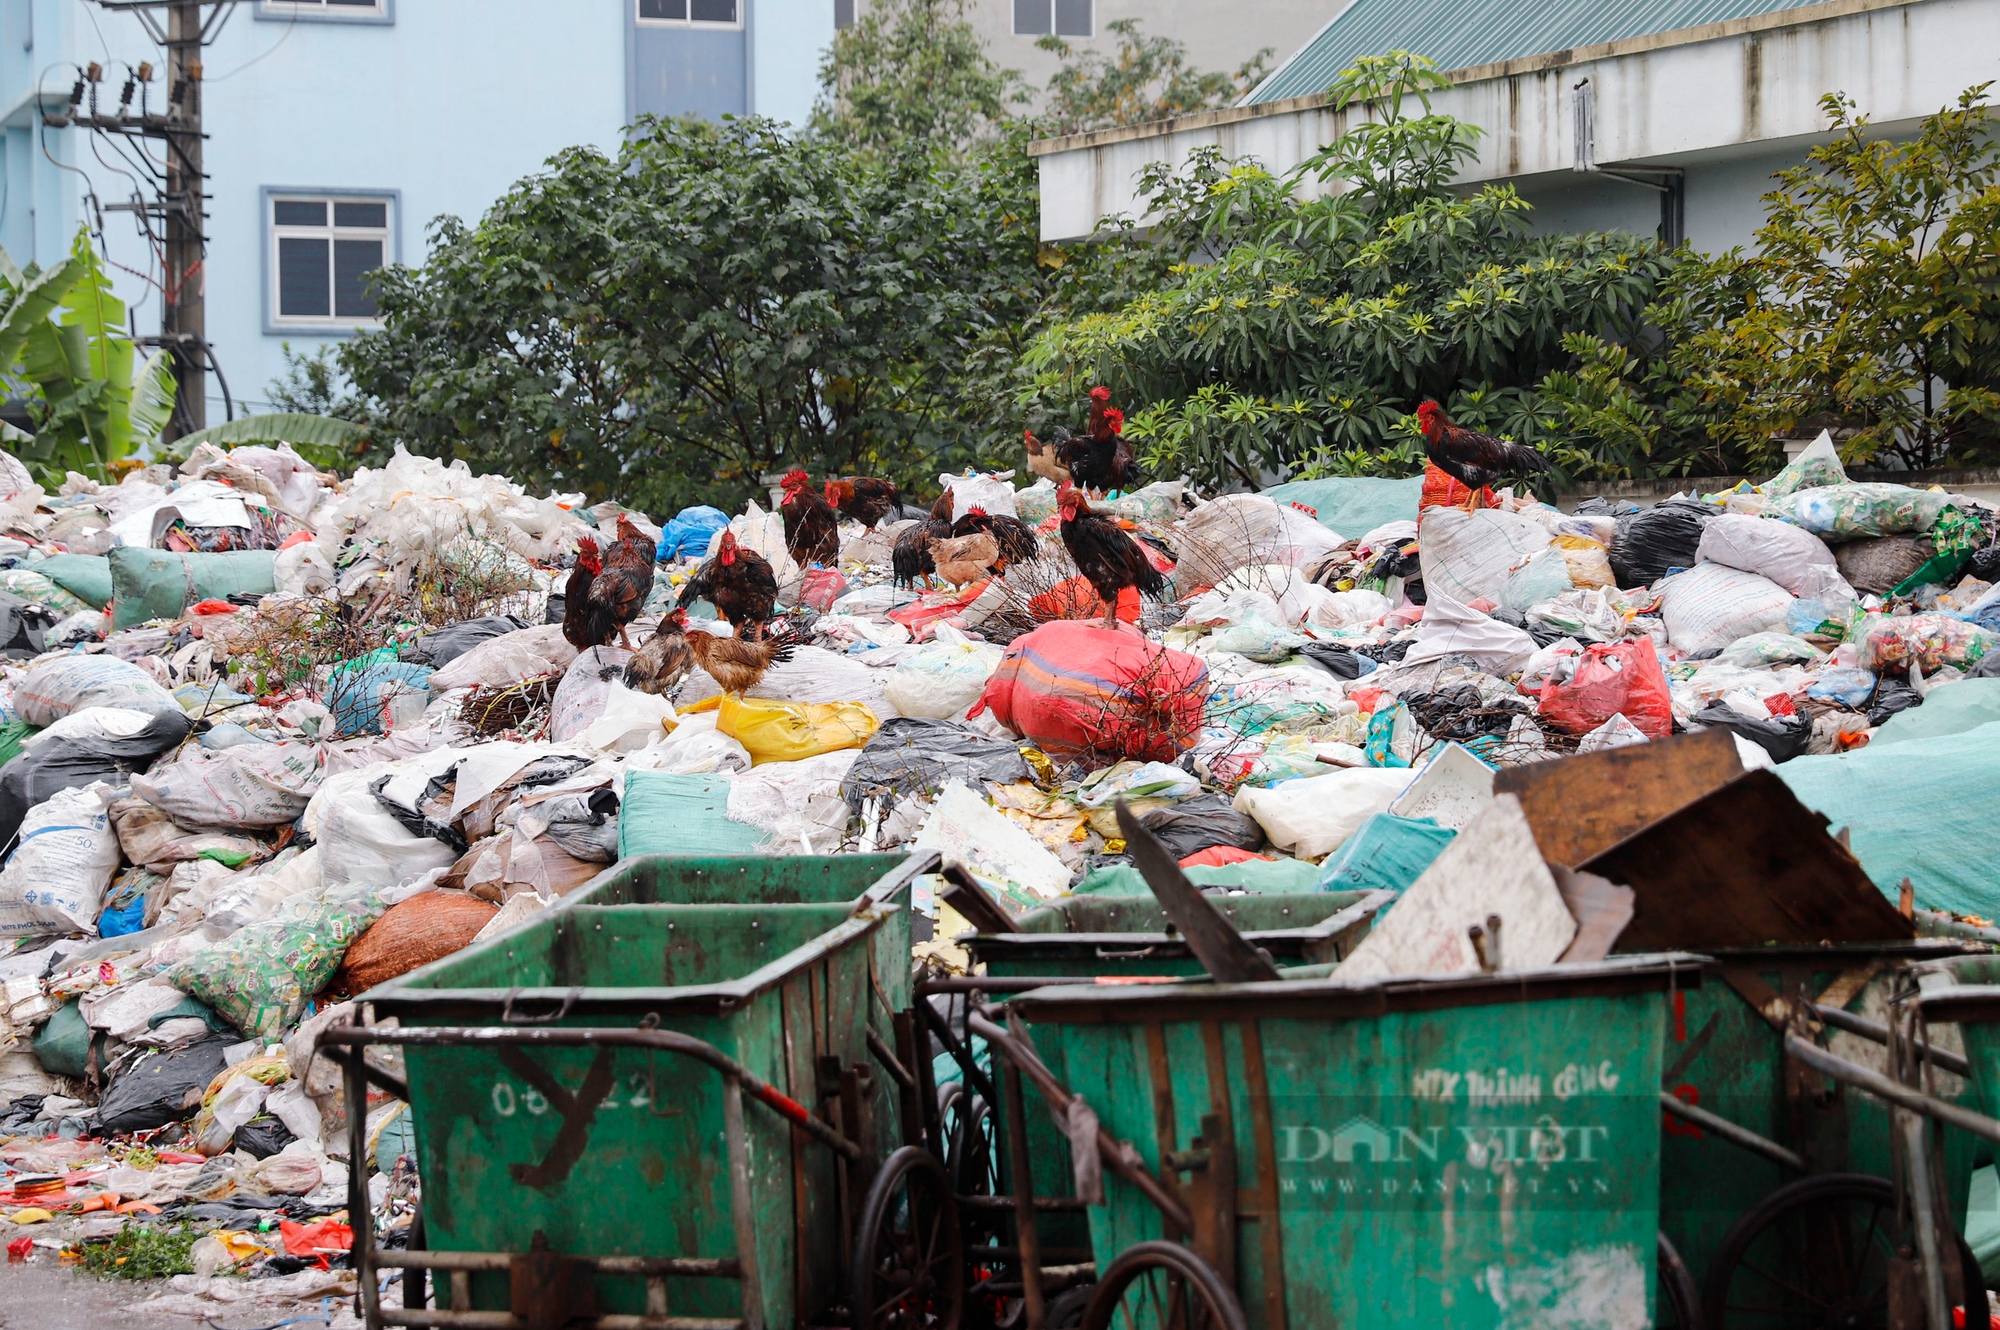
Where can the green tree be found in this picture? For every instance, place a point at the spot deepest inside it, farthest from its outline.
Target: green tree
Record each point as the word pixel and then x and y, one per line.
pixel 1320 323
pixel 94 399
pixel 1873 296
pixel 1148 79
pixel 716 302
pixel 913 73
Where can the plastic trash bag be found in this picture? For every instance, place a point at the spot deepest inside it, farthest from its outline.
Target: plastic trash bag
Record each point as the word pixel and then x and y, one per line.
pixel 1617 732
pixel 53 688
pixel 39 773
pixel 1543 577
pixel 448 644
pixel 1878 565
pixel 1654 541
pixel 1623 678
pixel 1928 641
pixel 1201 823
pixel 54 881
pixel 943 679
pixel 1783 737
pixel 378 697
pixel 162 1086
pixel 1587 615
pixel 1388 853
pixel 1759 650
pixel 1309 818
pixel 1794 558
pixel 1709 606
pixel 667 813
pixel 1847 685
pixel 1849 512
pixel 689 532
pixel 1817 466
pixel 789 731
pixel 914 756
pixel 259 977
pixel 263 785
pixel 1465 556
pixel 1074 688
pixel 1135 780
pixel 363 843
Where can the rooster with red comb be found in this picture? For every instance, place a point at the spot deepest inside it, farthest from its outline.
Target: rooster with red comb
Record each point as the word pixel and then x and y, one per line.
pixel 812 527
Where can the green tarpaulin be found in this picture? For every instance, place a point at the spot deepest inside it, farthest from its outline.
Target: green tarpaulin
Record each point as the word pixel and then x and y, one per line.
pixel 1353 505
pixel 159 584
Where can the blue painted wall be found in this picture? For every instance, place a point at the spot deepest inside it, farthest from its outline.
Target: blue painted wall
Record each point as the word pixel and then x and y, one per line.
pixel 443 107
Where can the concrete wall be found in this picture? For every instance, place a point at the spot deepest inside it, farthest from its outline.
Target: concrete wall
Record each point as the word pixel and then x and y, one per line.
pixel 1728 103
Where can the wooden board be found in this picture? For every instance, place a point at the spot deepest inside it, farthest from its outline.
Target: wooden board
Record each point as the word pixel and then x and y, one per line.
pixel 1582 806
pixel 1744 866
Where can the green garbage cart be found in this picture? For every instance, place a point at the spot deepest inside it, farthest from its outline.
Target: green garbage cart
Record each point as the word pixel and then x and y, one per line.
pixel 665 1116
pixel 1753 1152
pixel 1118 939
pixel 1476 1151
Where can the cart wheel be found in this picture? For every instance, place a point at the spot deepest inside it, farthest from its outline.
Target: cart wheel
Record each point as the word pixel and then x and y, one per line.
pixel 909 1261
pixel 1066 1311
pixel 974 1160
pixel 1815 1253
pixel 1156 1285
pixel 415 1292
pixel 1677 1303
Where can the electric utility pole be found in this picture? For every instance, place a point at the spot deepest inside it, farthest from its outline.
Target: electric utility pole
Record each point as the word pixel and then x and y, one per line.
pixel 179 203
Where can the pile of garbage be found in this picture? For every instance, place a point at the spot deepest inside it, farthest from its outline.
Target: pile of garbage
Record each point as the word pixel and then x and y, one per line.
pixel 271 739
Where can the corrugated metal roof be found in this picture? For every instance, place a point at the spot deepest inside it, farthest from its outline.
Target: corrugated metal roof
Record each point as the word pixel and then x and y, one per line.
pixel 1460 33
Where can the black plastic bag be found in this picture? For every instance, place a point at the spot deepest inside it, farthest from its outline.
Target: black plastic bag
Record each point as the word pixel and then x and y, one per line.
pixel 1987 668
pixel 1891 696
pixel 1656 540
pixel 584 825
pixel 1459 713
pixel 448 644
pixel 263 1136
pixel 913 756
pixel 1985 563
pixel 22 626
pixel 161 1086
pixel 1197 824
pixel 1339 661
pixel 39 774
pixel 1783 737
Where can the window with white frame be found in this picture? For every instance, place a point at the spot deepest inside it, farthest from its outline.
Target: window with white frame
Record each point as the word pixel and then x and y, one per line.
pixel 325 8
pixel 1057 18
pixel 691 13
pixel 324 251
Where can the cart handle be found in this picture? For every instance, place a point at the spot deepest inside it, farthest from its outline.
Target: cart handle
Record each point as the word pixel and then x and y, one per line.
pixel 1875 1083
pixel 354 1036
pixel 1867 1028
pixel 1118 1155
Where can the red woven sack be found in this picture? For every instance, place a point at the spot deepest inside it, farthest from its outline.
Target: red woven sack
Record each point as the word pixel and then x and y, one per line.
pixel 1613 678
pixel 1075 688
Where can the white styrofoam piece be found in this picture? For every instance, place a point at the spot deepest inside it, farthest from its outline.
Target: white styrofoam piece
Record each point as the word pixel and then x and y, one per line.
pixel 970 832
pixel 1452 790
pixel 1492 867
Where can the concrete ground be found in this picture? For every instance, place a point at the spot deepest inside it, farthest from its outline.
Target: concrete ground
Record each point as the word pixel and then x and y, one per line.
pixel 42 1295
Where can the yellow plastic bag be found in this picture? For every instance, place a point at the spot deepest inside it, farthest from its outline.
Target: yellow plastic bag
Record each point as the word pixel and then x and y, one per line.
pixel 1589 562
pixel 788 731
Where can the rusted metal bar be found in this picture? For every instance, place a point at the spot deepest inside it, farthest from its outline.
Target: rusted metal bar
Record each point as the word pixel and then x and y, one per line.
pixel 1875 1083
pixel 353 1036
pixel 684 1267
pixel 1841 1019
pixel 983 984
pixel 1729 1131
pixel 1023 1171
pixel 1118 1156
pixel 890 1062
pixel 469 1320
pixel 1043 1204
pixel 960 1054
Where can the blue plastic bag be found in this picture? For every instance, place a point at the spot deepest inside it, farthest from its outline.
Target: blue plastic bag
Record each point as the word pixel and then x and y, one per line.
pixel 357 696
pixel 689 533
pixel 1388 853
pixel 1848 685
pixel 120 920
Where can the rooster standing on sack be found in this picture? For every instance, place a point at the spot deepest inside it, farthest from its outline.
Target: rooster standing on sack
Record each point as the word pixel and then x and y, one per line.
pixel 1473 459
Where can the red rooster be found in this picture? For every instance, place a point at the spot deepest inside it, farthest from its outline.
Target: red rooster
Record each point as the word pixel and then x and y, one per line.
pixel 1473 459
pixel 739 583
pixel 864 498
pixel 1100 459
pixel 1109 559
pixel 618 592
pixel 576 596
pixel 812 527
